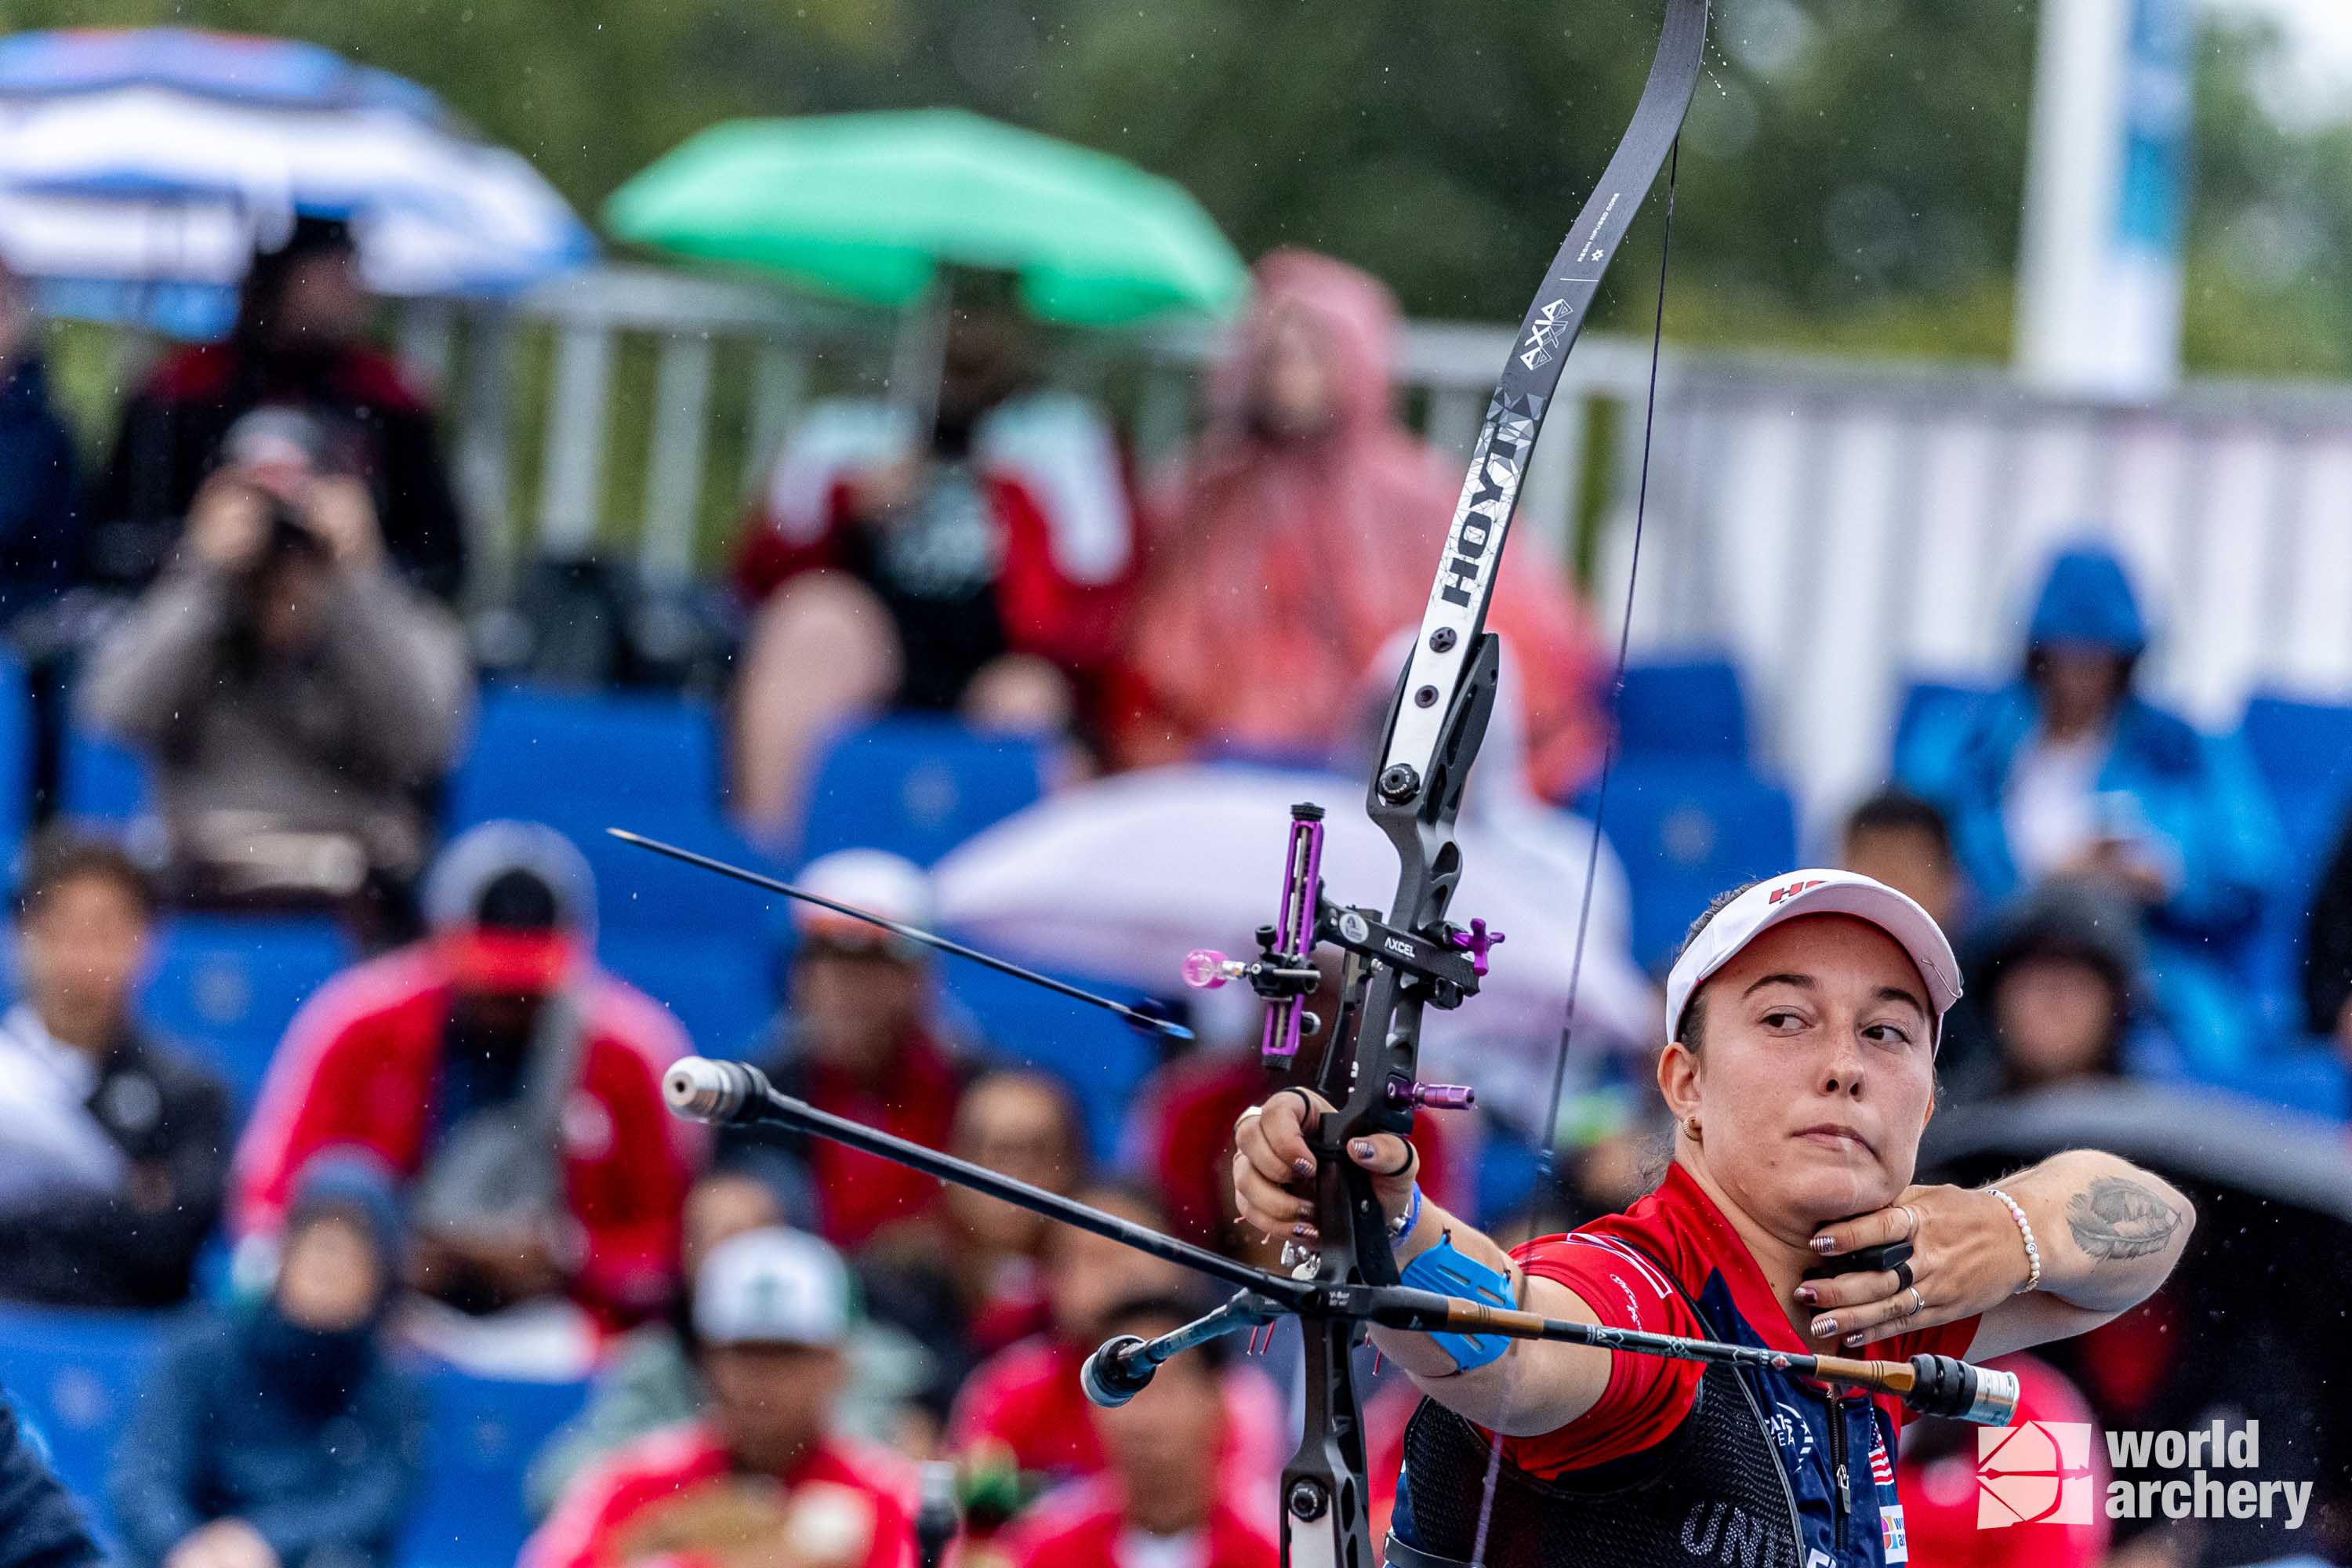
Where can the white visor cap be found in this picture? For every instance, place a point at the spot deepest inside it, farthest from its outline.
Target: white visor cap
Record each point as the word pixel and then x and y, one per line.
pixel 1818 891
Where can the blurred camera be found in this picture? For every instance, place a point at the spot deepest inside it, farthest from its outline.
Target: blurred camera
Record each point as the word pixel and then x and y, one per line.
pixel 282 449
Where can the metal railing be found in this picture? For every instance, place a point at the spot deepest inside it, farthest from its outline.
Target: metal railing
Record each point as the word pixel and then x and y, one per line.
pixel 1844 528
pixel 1840 526
pixel 630 410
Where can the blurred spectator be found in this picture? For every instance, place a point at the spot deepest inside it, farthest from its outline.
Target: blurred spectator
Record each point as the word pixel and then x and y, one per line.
pixel 513 1082
pixel 764 1477
pixel 651 1380
pixel 1903 841
pixel 965 1280
pixel 977 569
pixel 1245 636
pixel 2062 983
pixel 2326 966
pixel 2070 772
pixel 40 484
pixel 296 697
pixel 1024 1406
pixel 858 1037
pixel 282 1435
pixel 40 1526
pixel 117 1149
pixel 297 344
pixel 1612 1140
pixel 1155 1502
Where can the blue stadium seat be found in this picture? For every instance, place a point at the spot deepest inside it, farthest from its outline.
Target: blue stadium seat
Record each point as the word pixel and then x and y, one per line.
pixel 1689 706
pixel 2308 1077
pixel 584 762
pixel 1687 829
pixel 483 1435
pixel 73 1377
pixel 1915 734
pixel 618 758
pixel 1509 1170
pixel 16 746
pixel 225 986
pixel 102 780
pixel 2303 752
pixel 722 991
pixel 917 787
pixel 2300 748
pixel 1102 1058
pixel 637 889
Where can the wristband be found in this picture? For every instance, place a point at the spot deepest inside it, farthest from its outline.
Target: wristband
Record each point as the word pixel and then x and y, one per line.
pixel 1448 1273
pixel 1401 1226
pixel 2032 1248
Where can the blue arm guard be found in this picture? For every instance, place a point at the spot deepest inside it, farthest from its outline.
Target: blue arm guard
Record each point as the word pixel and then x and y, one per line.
pixel 1448 1273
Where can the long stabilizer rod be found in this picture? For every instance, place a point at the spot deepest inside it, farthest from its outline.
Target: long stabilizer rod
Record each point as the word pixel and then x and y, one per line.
pixel 720 1091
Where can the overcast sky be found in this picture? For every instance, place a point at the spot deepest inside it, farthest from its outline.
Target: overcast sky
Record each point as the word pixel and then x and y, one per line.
pixel 2323 30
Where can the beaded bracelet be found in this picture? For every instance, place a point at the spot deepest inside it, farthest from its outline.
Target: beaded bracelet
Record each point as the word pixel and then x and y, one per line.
pixel 2032 1248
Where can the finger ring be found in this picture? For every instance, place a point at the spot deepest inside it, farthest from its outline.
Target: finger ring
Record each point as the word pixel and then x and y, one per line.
pixel 1903 1275
pixel 1906 1208
pixel 1918 1303
pixel 1244 1118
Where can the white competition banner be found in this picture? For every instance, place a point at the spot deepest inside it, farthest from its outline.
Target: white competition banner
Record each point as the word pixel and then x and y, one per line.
pixel 2099 279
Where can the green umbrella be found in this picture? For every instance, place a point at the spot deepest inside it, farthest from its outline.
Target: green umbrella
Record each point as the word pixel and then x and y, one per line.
pixel 867 205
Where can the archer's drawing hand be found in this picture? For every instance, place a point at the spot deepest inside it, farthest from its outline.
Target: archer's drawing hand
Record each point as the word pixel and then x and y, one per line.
pixel 1273 1168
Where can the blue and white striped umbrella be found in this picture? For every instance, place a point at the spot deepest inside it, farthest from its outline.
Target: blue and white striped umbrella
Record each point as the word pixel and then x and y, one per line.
pixel 138 168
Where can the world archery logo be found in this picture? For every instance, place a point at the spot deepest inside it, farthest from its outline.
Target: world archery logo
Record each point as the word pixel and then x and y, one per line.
pixel 2036 1472
pixel 1544 334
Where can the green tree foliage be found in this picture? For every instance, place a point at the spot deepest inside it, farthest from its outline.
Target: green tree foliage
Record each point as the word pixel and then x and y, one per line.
pixel 1850 179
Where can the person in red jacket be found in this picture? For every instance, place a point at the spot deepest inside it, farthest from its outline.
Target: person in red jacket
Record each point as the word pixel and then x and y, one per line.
pixel 978 565
pixel 860 1037
pixel 1155 1503
pixel 1024 1409
pixel 761 1480
pixel 512 1083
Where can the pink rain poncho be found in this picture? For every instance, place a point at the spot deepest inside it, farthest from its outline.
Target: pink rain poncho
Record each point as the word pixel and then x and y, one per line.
pixel 1278 565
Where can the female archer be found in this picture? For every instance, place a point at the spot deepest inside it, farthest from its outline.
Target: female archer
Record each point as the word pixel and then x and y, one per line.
pixel 1804 1017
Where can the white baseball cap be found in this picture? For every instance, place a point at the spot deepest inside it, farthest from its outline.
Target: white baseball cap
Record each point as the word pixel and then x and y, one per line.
pixel 874 880
pixel 1816 891
pixel 771 1287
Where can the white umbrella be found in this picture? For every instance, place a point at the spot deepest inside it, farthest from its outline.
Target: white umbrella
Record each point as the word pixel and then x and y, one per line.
pixel 148 161
pixel 1123 876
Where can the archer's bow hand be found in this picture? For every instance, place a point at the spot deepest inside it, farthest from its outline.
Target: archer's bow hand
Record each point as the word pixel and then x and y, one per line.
pixel 1273 1168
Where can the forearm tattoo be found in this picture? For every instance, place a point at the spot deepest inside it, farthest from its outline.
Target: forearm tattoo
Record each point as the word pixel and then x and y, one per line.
pixel 2117 1218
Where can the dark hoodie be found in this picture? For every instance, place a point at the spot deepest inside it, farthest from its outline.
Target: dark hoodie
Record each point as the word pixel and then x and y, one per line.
pixel 39 488
pixel 313 1439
